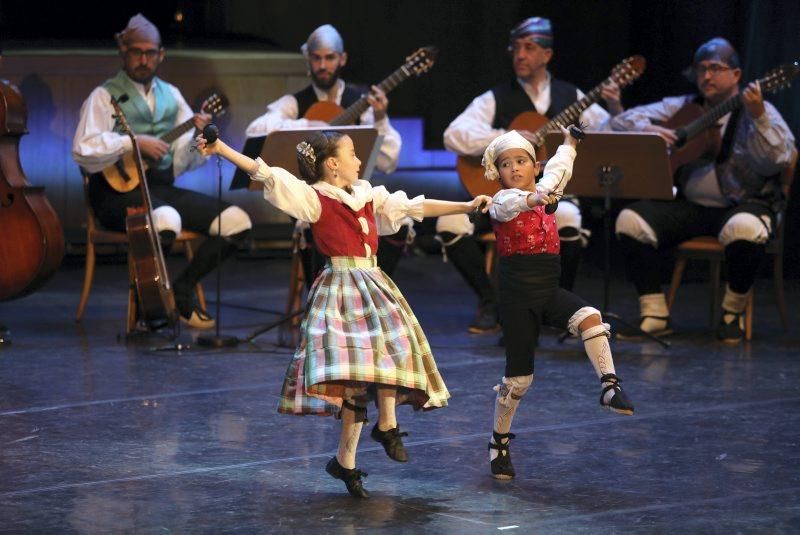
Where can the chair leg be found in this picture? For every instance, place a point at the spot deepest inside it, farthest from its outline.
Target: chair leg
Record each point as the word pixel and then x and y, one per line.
pixel 777 277
pixel 198 289
pixel 88 277
pixel 748 317
pixel 715 268
pixel 677 276
pixel 288 333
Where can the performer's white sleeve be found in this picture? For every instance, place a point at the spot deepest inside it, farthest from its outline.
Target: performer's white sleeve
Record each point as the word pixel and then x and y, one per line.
pixel 288 193
pixel 393 209
pixel 280 115
pixel 471 132
pixel 95 144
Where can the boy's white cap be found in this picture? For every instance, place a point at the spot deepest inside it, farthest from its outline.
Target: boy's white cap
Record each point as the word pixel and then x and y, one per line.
pixel 510 140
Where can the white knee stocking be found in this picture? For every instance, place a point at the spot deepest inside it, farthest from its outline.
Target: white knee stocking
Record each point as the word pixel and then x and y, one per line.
pixel 595 342
pixel 348 439
pixel 509 394
pixel 387 401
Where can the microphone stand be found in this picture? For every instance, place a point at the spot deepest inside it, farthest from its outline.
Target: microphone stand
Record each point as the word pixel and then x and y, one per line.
pixel 211 133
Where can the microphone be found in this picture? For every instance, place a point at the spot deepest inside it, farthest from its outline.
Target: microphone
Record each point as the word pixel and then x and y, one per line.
pixel 211 133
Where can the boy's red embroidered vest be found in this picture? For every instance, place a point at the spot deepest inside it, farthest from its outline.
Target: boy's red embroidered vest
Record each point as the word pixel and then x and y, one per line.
pixel 533 232
pixel 338 232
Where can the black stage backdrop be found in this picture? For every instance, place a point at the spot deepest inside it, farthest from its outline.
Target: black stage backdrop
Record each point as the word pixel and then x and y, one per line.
pixel 590 37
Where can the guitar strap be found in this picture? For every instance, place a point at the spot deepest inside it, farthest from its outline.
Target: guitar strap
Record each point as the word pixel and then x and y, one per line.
pixel 727 138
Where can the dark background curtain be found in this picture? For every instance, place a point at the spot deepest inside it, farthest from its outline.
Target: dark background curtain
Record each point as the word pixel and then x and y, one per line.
pixel 591 36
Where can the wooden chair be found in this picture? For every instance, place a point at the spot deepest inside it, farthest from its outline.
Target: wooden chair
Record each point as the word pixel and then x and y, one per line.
pixel 97 235
pixel 710 249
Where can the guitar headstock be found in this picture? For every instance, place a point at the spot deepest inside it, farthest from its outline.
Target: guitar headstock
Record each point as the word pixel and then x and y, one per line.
pixel 422 60
pixel 628 70
pixel 215 105
pixel 119 115
pixel 780 77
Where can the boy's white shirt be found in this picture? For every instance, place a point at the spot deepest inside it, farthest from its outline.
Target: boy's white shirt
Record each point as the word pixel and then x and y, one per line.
pixel 509 203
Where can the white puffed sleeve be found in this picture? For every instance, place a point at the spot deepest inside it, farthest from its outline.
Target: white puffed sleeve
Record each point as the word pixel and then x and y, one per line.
pixel 392 208
pixel 288 193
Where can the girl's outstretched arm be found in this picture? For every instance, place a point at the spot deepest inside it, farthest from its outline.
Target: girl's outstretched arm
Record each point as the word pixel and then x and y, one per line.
pixel 436 208
pixel 245 163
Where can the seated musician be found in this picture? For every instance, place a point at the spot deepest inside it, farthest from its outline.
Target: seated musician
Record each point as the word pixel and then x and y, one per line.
pixel 152 109
pixel 731 196
pixel 489 115
pixel 324 51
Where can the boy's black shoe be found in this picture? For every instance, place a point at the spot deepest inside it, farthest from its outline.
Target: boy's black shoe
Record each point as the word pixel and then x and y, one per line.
pixel 619 402
pixel 501 465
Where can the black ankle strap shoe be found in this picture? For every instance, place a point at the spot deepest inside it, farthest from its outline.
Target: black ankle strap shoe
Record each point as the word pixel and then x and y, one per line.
pixel 350 476
pixel 392 441
pixel 501 465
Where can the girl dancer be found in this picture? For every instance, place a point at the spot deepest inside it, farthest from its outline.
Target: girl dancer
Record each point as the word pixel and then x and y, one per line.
pixel 529 271
pixel 360 340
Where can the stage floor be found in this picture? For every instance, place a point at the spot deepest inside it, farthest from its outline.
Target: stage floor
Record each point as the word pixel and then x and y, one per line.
pixel 101 436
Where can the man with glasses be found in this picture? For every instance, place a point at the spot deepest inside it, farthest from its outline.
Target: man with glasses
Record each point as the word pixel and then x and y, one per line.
pixel 153 107
pixel 489 115
pixel 732 196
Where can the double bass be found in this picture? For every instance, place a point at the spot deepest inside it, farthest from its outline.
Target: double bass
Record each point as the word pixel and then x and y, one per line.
pixel 32 240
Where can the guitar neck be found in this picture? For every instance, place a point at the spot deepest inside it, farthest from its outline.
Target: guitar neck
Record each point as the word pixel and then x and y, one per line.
pixel 178 131
pixel 709 118
pixel 571 113
pixel 354 111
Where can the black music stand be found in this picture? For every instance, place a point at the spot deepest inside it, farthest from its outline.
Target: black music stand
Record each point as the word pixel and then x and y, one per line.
pixel 279 149
pixel 604 160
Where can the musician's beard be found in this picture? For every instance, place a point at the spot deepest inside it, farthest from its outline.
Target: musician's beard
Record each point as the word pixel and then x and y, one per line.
pixel 142 75
pixel 330 82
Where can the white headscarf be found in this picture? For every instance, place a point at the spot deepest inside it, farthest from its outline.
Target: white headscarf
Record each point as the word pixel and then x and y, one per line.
pixel 510 140
pixel 325 36
pixel 139 29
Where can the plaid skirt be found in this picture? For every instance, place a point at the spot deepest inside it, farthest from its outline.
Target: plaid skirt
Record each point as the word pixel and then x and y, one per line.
pixel 358 332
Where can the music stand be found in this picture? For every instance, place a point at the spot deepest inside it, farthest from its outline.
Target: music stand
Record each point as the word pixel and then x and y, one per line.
pixel 604 160
pixel 279 149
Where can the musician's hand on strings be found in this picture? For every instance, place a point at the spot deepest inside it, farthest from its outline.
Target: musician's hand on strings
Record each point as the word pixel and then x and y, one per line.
pixel 377 99
pixel 151 147
pixel 753 100
pixel 200 120
pixel 665 133
pixel 612 94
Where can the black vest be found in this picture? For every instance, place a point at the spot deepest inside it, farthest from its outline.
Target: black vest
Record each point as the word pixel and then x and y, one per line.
pixel 307 97
pixel 511 100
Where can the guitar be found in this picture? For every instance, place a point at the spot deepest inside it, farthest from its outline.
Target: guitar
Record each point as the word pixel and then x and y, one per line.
pixel 123 175
pixel 694 126
pixel 416 64
pixel 145 258
pixel 469 168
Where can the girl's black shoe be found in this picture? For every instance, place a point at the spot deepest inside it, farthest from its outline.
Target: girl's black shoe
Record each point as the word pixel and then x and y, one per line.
pixel 392 441
pixel 350 476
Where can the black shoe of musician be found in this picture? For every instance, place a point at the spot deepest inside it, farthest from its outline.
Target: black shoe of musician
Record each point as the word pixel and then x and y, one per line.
pixel 392 441
pixel 486 322
pixel 350 476
pixel 731 332
pixel 190 314
pixel 501 465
